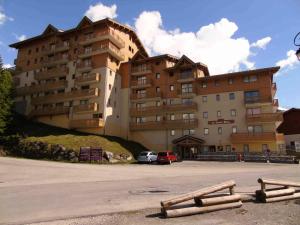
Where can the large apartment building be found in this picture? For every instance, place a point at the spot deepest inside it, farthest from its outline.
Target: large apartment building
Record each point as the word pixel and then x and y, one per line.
pixel 98 78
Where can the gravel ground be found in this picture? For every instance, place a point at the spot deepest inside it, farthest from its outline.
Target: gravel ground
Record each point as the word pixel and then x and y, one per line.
pixel 280 213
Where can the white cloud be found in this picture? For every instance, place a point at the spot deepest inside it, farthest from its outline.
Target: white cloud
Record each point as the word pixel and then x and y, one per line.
pixel 213 44
pixel 7 65
pixel 4 18
pixel 262 43
pixel 21 37
pixel 100 11
pixel 289 62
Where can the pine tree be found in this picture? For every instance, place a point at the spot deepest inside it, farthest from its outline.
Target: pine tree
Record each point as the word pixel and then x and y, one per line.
pixel 6 101
pixel 1 63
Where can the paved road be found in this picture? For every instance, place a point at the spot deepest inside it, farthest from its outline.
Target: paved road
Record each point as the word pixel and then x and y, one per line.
pixel 35 191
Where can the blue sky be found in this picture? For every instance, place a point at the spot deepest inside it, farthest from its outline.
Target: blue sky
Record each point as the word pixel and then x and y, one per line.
pixel 245 23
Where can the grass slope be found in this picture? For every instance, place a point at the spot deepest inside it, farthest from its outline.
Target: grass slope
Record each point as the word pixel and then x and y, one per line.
pixel 33 131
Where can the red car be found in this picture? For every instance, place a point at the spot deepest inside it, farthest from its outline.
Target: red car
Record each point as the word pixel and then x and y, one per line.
pixel 166 157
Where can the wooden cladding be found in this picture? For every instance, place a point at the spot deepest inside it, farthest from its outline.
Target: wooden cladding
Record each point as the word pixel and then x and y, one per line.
pixel 48 86
pixel 51 73
pixel 89 78
pixel 92 107
pixel 86 123
pixel 164 124
pixel 256 137
pixel 48 111
pixel 264 117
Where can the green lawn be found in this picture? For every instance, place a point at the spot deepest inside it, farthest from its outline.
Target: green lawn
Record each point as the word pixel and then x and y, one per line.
pixel 33 131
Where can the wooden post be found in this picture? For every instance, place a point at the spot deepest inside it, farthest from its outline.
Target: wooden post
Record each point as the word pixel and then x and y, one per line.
pixel 196 210
pixel 218 200
pixel 231 190
pixel 278 182
pixel 283 198
pixel 198 193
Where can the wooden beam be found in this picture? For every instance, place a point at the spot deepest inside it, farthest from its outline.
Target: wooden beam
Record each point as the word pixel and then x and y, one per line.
pixel 218 200
pixel 279 182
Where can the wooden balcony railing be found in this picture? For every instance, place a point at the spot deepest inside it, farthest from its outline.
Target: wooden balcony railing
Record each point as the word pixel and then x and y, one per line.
pixel 141 83
pixel 92 107
pixel 86 123
pixel 140 70
pixel 59 97
pixel 52 73
pixel 165 124
pixel 85 66
pixel 90 78
pixel 104 35
pixel 264 117
pixel 104 48
pixel 153 110
pixel 55 60
pixel 257 99
pixel 56 48
pixel 48 111
pixel 253 137
pixel 48 86
pixel 148 94
pixel 187 91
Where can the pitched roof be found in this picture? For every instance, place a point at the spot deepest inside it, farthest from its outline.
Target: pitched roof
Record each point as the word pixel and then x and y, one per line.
pixel 140 57
pixel 186 138
pixel 84 20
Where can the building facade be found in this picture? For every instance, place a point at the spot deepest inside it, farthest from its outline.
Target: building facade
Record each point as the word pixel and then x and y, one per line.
pixel 98 78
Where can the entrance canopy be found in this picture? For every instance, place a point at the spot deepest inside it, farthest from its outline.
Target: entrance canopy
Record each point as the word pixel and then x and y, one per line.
pixel 187 140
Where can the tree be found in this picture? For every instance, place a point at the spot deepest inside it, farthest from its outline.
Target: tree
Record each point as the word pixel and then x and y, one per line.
pixel 6 101
pixel 1 63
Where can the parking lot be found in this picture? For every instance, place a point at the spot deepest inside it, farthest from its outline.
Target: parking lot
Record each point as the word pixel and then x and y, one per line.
pixel 36 191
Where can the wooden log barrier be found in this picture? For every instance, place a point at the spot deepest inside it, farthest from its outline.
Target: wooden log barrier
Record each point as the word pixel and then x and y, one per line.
pixel 277 193
pixel 218 200
pixel 278 182
pixel 198 193
pixel 283 198
pixel 196 210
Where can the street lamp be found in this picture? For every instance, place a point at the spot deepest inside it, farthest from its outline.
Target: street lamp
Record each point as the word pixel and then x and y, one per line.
pixel 297 44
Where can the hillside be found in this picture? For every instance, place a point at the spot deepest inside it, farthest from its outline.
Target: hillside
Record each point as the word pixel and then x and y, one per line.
pixel 33 131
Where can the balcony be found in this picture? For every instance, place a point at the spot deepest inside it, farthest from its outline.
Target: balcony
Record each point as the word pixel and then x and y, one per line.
pixel 166 124
pixel 186 77
pixel 87 79
pixel 85 66
pixel 144 83
pixel 141 70
pixel 49 111
pixel 86 123
pixel 147 95
pixel 56 48
pixel 264 117
pixel 48 86
pixel 153 110
pixel 187 92
pixel 104 35
pixel 52 73
pixel 52 61
pixel 88 108
pixel 59 97
pixel 250 101
pixel 254 137
pixel 105 48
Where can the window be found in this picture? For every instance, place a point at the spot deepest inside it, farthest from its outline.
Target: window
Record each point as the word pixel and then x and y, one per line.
pixel 251 78
pixel 217 83
pixel 230 80
pixel 204 85
pixel 172 116
pixel 171 101
pixel 205 115
pixel 253 111
pixel 157 103
pixel 204 98
pixel 84 102
pixel 37 49
pixel 233 112
pixel 172 132
pixel 187 101
pixel 219 113
pixel 251 96
pixel 108 103
pixel 171 74
pixel 140 119
pixel 187 88
pixel 157 75
pixel 157 89
pixel 35 61
pixel 228 148
pixel 157 118
pixel 188 116
pixel 171 87
pixel 231 96
pixel 109 86
pixel 220 130
pixel 255 129
pixel 206 131
pixel 98 115
pixel 29 51
pixel 189 132
pixel 218 98
pixel 110 72
pixel 234 130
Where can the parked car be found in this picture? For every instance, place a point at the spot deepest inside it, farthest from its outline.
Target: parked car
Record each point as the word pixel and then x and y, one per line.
pixel 147 157
pixel 166 157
